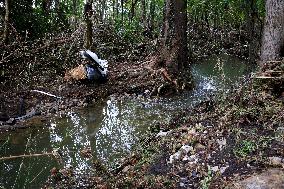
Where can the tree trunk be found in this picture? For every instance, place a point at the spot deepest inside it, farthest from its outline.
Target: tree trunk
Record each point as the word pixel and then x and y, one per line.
pixel 273 34
pixel 6 22
pixel 115 11
pixel 132 10
pixel 122 11
pixel 89 26
pixel 173 55
pixel 151 15
pixel 144 20
pixel 74 10
pixel 45 7
pixel 251 15
pixel 102 11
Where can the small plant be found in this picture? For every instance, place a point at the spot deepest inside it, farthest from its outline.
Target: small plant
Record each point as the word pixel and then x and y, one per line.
pixel 246 147
pixel 205 183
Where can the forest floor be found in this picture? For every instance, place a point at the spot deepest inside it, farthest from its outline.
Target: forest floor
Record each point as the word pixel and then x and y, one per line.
pixel 220 141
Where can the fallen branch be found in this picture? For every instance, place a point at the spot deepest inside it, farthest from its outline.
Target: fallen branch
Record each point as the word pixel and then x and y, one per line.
pixel 45 93
pixel 26 155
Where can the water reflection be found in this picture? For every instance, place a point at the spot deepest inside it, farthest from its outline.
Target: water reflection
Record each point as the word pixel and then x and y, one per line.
pixel 122 124
pixel 25 172
pixel 109 128
pixel 70 141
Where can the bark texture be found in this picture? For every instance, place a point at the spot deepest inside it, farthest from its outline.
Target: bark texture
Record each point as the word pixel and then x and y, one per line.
pixel 173 44
pixel 174 40
pixel 273 34
pixel 88 11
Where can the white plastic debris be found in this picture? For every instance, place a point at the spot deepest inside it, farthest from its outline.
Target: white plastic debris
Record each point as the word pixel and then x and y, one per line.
pixel 162 134
pixel 222 143
pixel 183 151
pixel 102 64
pixel 215 168
pixel 223 169
pixel 175 156
pixel 186 148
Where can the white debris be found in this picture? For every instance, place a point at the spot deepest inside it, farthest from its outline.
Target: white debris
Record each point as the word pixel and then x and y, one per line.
pixel 185 158
pixel 162 134
pixel 186 148
pixel 175 156
pixel 45 93
pixel 223 169
pixel 193 159
pixel 183 150
pixel 215 168
pixel 222 143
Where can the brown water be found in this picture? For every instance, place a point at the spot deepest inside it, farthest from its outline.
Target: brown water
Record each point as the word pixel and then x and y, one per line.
pixel 109 128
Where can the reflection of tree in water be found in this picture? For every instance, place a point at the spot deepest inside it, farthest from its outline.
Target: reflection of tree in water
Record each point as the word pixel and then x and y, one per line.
pixel 70 139
pixel 116 134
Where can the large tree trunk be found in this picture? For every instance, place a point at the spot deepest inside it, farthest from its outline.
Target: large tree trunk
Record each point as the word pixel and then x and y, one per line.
pixel 89 26
pixel 173 44
pixel 102 11
pixel 273 34
pixel 115 9
pixel 6 22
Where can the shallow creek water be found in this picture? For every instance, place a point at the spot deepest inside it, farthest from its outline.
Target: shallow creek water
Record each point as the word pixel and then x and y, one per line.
pixel 109 128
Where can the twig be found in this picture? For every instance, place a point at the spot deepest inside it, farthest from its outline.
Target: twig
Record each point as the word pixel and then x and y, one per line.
pixel 45 93
pixel 18 52
pixel 37 175
pixel 26 155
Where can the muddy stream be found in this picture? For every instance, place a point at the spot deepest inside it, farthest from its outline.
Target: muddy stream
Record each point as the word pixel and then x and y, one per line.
pixel 109 128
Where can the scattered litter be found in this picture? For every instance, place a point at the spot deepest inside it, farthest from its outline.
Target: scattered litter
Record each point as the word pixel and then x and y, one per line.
pixel 222 143
pixel 223 169
pixel 215 168
pixel 162 134
pixel 183 150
